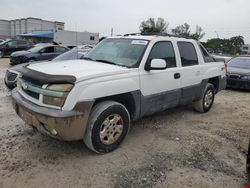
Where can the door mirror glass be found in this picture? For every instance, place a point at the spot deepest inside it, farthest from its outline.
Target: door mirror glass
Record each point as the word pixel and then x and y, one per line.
pixel 156 64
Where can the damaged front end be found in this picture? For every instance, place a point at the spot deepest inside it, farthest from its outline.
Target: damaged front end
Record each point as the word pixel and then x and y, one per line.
pixel 39 99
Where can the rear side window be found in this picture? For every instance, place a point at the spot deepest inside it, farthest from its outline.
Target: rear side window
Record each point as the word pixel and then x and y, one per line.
pixel 49 49
pixel 20 42
pixel 164 50
pixel 207 58
pixel 60 49
pixel 188 54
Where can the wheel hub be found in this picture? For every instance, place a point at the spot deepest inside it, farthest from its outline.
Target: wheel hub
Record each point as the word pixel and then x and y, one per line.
pixel 208 98
pixel 111 129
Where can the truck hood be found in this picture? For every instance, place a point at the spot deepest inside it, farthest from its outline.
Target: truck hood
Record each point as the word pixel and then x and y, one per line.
pixel 20 53
pixel 80 69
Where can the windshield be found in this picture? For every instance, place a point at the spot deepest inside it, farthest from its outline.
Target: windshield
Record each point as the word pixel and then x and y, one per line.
pixel 123 52
pixel 240 63
pixel 1 43
pixel 36 49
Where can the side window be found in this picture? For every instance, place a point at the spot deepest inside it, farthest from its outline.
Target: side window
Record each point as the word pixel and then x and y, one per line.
pixel 163 50
pixel 49 49
pixel 60 49
pixel 207 58
pixel 21 43
pixel 188 54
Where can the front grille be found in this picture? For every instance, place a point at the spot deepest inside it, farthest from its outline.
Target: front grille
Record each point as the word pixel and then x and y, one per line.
pixel 34 83
pixel 32 94
pixel 11 76
pixel 17 60
pixel 234 76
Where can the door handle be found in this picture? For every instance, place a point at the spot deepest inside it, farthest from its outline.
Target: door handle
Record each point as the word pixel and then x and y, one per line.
pixel 177 75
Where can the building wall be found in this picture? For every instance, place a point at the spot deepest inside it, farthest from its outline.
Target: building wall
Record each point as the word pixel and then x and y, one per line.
pixel 72 38
pixel 23 26
pixel 27 25
pixel 12 28
pixel 4 29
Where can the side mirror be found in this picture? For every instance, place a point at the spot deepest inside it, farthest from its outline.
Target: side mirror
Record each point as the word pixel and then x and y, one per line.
pixel 156 64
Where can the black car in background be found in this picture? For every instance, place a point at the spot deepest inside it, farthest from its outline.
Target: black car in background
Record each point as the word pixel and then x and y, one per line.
pixel 238 73
pixel 38 53
pixel 10 46
pixel 12 72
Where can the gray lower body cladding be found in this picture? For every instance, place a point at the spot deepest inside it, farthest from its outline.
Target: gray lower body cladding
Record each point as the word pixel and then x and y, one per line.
pixel 165 100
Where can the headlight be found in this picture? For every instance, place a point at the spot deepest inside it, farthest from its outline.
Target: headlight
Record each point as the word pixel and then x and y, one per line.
pixel 245 77
pixel 57 94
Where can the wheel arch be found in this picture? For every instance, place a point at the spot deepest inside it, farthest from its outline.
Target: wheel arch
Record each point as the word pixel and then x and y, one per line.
pixel 215 82
pixel 130 100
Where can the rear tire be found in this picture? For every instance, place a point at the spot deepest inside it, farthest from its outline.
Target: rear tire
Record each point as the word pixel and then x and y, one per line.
pixel 206 102
pixel 108 125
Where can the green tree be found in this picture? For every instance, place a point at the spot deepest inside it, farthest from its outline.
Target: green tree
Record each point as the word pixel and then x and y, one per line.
pixel 199 34
pixel 152 26
pixel 227 46
pixel 184 31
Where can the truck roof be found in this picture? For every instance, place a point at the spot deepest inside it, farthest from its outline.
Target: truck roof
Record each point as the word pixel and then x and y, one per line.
pixel 152 37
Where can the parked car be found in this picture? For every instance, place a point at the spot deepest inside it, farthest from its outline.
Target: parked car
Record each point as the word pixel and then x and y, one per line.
pixel 38 53
pixel 222 58
pixel 120 80
pixel 10 46
pixel 12 72
pixel 238 73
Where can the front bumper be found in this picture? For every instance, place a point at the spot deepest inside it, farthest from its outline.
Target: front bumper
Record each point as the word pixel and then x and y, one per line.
pixel 238 83
pixel 65 125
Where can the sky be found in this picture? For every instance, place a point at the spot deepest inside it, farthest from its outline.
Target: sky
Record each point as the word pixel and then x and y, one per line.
pixel 223 18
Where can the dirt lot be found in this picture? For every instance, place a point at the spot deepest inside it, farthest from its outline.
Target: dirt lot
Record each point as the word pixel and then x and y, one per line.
pixel 176 148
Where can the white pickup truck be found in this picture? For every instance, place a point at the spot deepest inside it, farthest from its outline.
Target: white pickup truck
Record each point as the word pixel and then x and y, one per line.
pixel 122 79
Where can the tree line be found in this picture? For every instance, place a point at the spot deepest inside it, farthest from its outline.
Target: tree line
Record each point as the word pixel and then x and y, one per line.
pixel 217 45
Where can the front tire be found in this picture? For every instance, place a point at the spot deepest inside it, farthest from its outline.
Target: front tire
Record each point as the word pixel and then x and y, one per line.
pixel 108 125
pixel 206 102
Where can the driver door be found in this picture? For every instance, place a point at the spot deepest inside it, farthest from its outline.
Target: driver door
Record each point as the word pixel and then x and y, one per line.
pixel 47 53
pixel 161 89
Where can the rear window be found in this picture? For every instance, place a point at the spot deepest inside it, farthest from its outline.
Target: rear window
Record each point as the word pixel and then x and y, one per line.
pixel 240 63
pixel 188 54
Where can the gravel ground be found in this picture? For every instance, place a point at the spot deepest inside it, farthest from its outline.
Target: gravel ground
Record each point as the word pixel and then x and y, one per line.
pixel 176 148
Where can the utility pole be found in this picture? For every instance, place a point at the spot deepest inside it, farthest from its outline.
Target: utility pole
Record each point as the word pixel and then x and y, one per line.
pixel 112 31
pixel 217 34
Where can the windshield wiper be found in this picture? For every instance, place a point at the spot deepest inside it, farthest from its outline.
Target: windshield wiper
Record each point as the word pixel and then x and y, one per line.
pixel 87 58
pixel 105 61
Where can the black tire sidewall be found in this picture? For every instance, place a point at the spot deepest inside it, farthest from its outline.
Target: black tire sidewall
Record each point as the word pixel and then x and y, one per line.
pixel 209 87
pixel 2 54
pixel 95 137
